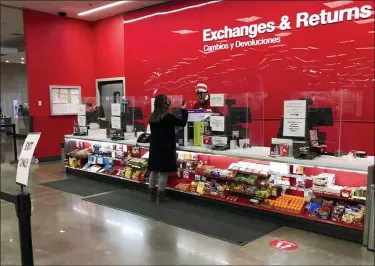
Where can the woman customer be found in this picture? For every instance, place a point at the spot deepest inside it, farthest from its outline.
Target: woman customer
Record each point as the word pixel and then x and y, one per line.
pixel 162 157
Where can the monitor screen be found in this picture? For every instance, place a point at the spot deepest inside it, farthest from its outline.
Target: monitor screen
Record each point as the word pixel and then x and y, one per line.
pixel 136 112
pixel 239 115
pixel 320 117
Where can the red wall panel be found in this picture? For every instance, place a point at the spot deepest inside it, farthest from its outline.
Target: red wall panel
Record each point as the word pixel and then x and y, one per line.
pixel 59 51
pixel 109 47
pixel 333 64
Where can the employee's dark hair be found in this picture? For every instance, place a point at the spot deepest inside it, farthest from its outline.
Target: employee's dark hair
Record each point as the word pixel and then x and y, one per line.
pixel 160 108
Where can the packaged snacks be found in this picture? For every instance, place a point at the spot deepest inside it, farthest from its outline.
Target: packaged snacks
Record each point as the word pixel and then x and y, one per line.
pixel 312 208
pixel 128 172
pixel 262 193
pixel 251 190
pixel 324 211
pixel 337 212
pixel 193 186
pixel 136 174
pixel 183 187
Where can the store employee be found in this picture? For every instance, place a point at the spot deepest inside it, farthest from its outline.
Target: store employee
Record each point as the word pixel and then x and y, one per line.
pixel 203 98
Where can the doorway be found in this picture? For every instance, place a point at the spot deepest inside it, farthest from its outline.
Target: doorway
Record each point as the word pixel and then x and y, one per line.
pixel 108 91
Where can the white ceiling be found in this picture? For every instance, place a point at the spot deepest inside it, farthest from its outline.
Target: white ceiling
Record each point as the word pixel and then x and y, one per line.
pixel 72 8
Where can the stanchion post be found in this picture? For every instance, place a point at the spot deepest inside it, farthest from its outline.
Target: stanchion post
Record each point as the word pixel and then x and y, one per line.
pixel 14 142
pixel 23 209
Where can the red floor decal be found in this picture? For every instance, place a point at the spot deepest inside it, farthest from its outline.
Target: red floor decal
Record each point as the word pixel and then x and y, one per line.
pixel 283 244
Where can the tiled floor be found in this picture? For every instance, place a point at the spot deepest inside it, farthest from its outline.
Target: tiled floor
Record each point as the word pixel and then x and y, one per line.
pixel 69 231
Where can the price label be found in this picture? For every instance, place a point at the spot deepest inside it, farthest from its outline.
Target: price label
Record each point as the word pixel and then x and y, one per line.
pixel 116 109
pixel 81 109
pixel 81 121
pixel 116 122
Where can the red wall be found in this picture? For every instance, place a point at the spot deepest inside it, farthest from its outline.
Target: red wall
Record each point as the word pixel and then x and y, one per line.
pixel 65 51
pixel 59 51
pixel 321 62
pixel 109 47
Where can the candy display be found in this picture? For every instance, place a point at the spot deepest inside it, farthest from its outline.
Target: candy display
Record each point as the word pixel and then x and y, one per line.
pixel 289 203
pixel 304 193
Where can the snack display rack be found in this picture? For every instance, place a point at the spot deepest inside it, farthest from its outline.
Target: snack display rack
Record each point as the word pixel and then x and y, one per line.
pixel 327 199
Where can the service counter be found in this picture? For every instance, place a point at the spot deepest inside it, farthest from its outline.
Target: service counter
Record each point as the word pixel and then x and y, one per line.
pixel 327 194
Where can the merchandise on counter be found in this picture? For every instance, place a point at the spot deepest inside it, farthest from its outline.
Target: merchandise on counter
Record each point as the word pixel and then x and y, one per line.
pixel 312 208
pixel 190 156
pixel 262 193
pixel 203 169
pixel 353 215
pixel 324 211
pixel 183 187
pixel 289 203
pixel 128 172
pixel 337 212
pixel 322 181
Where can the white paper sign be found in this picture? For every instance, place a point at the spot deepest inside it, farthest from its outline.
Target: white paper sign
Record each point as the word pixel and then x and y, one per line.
pixel 81 109
pixel 81 121
pixel 116 109
pixel 295 109
pixel 217 123
pixel 25 158
pixel 152 104
pixel 294 127
pixel 217 100
pixel 219 140
pixel 116 122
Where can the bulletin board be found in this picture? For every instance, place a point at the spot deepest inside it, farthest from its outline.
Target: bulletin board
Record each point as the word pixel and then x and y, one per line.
pixel 64 100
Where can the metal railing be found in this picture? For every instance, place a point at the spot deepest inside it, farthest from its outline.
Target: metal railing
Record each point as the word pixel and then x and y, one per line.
pixel 14 136
pixel 22 203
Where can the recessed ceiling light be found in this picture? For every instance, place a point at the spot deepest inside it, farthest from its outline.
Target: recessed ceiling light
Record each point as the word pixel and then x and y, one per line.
pixel 22 62
pixel 102 7
pixel 22 58
pixel 7 61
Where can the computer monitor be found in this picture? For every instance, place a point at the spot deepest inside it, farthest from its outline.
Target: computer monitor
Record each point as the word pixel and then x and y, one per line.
pixel 239 115
pixel 319 117
pixel 136 113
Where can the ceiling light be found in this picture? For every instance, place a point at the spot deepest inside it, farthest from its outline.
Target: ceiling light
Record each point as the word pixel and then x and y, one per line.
pixel 364 48
pixel 337 4
pixel 22 62
pixel 101 8
pixel 371 31
pixel 313 48
pixel 22 58
pixel 249 19
pixel 169 12
pixel 364 21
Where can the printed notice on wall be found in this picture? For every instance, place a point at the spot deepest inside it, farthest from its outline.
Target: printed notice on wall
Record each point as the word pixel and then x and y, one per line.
pixel 152 104
pixel 217 100
pixel 25 158
pixel 217 123
pixel 116 122
pixel 295 109
pixel 81 121
pixel 81 109
pixel 294 127
pixel 116 109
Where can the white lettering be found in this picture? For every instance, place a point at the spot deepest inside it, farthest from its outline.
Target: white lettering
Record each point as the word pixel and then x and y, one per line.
pixel 302 18
pixel 314 20
pixel 366 11
pixel 206 35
